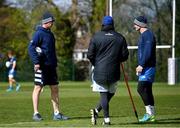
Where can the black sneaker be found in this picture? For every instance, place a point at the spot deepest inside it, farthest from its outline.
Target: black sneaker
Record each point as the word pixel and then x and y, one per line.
pixel 94 116
pixel 106 123
pixel 37 117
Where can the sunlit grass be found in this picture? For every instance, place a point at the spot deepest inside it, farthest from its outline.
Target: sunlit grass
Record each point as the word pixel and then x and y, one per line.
pixel 77 99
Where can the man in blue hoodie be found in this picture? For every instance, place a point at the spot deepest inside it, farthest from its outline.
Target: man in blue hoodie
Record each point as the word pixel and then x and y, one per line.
pixel 43 54
pixel 146 66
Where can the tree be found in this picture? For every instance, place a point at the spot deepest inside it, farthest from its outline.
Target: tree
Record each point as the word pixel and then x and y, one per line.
pixel 13 31
pixel 18 24
pixel 99 11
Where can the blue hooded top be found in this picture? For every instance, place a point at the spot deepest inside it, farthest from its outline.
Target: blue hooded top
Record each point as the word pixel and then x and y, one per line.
pixel 147 56
pixel 44 39
pixel 147 49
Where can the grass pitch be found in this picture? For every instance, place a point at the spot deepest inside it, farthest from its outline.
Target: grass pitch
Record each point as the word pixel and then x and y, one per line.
pixel 76 99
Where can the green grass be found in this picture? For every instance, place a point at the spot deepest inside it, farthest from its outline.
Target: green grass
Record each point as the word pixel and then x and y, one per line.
pixel 76 99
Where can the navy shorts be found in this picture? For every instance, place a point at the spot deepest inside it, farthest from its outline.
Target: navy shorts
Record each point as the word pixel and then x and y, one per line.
pixel 46 75
pixel 12 74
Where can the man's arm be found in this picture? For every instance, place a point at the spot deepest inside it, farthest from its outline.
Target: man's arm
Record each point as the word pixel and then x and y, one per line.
pixel 32 49
pixel 91 52
pixel 125 52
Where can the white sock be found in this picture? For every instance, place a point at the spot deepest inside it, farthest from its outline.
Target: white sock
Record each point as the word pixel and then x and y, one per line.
pixel 36 113
pixel 96 110
pixel 56 112
pixel 153 110
pixel 150 110
pixel 107 119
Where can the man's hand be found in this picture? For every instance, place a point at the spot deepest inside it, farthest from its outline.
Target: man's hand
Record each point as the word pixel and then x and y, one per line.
pixel 139 69
pixel 36 67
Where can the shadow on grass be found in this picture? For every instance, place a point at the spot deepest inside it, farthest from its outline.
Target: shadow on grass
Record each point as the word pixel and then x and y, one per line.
pixel 168 119
pixel 89 117
pixel 82 117
pixel 158 122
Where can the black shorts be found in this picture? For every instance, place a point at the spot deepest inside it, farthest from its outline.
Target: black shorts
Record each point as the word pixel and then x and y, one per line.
pixel 46 75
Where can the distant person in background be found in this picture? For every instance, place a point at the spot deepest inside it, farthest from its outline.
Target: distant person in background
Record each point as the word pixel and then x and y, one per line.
pixel 43 54
pixel 146 66
pixel 107 50
pixel 12 67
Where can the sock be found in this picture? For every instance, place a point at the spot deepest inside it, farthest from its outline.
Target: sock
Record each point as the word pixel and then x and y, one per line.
pixel 96 110
pixel 10 87
pixel 148 109
pixel 152 110
pixel 107 120
pixel 98 107
pixel 35 113
pixel 56 112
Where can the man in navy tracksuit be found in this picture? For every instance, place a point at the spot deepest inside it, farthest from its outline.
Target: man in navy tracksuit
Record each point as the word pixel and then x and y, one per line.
pixel 146 66
pixel 107 49
pixel 43 54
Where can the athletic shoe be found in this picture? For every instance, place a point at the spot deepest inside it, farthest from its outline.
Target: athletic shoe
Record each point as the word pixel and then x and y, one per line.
pixel 106 123
pixel 18 87
pixel 94 116
pixel 10 89
pixel 147 118
pixel 60 117
pixel 37 117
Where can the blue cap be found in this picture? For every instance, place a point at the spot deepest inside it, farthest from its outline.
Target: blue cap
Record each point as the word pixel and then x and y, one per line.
pixel 107 20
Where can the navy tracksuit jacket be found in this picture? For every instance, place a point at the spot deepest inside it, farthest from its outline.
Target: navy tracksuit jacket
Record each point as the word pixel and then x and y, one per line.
pixel 44 39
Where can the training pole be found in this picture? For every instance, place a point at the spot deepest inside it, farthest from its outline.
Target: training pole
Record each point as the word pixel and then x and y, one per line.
pixel 127 85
